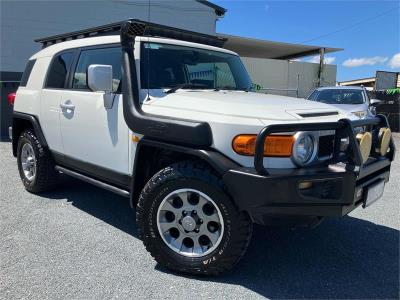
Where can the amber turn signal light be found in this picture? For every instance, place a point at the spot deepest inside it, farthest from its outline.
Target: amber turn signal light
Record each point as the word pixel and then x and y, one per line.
pixel 275 145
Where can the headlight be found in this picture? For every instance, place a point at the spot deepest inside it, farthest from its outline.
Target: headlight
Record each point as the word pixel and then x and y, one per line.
pixel 360 114
pixel 303 148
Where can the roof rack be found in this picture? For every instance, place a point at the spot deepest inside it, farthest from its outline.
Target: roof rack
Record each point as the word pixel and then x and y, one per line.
pixel 138 28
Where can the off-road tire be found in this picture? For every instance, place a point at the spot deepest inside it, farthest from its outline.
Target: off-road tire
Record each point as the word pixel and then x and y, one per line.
pixel 46 176
pixel 237 224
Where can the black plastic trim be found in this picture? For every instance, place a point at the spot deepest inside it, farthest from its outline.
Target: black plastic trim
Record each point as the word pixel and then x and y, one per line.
pixel 93 181
pixel 277 194
pixel 103 174
pixel 173 130
pixel 36 127
pixel 219 162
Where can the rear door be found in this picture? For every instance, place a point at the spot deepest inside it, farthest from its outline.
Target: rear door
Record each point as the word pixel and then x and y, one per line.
pixel 95 138
pixel 53 89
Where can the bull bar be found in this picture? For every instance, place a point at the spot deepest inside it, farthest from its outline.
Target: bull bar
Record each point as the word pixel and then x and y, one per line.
pixel 340 184
pixel 343 128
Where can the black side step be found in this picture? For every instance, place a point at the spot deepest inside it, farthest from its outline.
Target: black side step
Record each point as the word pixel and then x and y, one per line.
pixel 95 182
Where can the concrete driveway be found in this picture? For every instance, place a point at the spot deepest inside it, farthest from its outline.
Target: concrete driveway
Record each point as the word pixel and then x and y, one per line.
pixel 81 242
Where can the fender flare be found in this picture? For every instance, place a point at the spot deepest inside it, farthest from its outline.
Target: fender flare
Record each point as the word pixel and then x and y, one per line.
pixel 216 160
pixel 17 117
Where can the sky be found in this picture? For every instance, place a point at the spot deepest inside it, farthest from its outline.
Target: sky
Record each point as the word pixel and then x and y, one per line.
pixel 368 31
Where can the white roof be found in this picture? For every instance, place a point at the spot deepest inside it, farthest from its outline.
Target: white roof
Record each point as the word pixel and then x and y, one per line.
pixel 115 39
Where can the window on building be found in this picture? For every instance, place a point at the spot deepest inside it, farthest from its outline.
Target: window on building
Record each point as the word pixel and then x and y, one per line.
pixel 57 75
pixel 104 56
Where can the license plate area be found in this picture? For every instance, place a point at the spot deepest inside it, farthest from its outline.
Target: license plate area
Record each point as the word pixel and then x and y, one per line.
pixel 373 193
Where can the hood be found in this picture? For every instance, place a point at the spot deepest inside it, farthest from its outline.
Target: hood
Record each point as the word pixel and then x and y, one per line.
pixel 242 104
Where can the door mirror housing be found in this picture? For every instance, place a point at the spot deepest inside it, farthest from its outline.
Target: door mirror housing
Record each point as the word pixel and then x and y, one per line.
pixel 99 78
pixel 375 102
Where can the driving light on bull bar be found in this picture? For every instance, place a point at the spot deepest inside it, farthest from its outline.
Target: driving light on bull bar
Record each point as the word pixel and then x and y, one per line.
pixel 365 143
pixel 305 185
pixel 275 145
pixel 303 148
pixel 384 137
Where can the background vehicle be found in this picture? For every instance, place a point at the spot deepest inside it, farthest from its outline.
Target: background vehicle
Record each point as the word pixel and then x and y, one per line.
pixel 352 99
pixel 179 132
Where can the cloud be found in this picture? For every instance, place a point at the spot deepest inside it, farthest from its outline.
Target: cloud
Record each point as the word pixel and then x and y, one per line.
pixel 394 62
pixel 364 61
pixel 327 59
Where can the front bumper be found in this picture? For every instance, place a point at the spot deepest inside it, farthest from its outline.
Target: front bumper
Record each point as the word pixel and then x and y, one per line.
pixel 334 189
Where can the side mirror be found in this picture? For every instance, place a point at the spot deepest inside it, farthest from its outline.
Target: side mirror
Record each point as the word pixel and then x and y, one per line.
pixel 99 78
pixel 375 102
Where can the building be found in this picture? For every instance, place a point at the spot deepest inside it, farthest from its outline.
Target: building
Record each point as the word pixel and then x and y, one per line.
pixel 277 68
pixel 273 66
pixel 382 81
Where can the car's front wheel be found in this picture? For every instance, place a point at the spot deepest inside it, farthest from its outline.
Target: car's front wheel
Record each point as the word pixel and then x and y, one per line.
pixel 189 223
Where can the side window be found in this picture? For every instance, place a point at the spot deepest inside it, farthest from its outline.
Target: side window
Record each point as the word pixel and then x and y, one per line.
pixel 27 72
pixel 105 56
pixel 58 71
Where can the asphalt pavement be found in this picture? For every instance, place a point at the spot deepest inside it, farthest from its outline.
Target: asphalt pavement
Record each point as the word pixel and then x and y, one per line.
pixel 81 242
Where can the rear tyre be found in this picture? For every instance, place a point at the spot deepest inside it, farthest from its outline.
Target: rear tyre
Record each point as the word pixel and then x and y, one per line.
pixel 189 223
pixel 35 164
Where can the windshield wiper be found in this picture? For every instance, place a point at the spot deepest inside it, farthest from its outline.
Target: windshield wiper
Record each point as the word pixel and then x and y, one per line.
pixel 185 86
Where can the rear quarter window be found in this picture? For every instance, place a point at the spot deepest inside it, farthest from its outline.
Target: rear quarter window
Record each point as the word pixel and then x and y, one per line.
pixel 27 72
pixel 58 70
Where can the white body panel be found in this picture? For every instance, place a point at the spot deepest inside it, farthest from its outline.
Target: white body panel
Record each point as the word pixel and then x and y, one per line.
pixel 93 134
pixel 231 113
pixel 50 118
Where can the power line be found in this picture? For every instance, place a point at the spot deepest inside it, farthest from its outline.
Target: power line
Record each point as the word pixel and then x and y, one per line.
pixel 351 26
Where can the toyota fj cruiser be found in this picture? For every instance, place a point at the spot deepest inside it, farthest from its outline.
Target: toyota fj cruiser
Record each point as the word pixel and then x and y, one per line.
pixel 167 118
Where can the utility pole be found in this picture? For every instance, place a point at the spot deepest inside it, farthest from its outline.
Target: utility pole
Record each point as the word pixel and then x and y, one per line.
pixel 321 66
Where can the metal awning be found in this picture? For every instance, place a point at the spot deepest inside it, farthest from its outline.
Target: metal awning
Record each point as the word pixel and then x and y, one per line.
pixel 249 47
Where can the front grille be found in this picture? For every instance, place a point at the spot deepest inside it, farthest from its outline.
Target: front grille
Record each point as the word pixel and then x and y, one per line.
pixel 326 145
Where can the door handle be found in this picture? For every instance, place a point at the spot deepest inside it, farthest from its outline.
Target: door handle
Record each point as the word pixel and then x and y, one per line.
pixel 67 105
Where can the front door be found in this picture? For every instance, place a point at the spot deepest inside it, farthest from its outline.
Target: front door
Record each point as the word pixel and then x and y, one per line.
pixel 95 139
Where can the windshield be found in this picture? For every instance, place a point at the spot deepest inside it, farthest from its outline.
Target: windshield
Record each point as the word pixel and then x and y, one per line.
pixel 337 96
pixel 168 66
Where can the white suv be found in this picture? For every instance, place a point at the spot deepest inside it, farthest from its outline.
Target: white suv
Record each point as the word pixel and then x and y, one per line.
pixel 167 118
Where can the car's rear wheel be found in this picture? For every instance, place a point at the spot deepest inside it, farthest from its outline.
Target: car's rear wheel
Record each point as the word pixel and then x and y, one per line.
pixel 189 223
pixel 35 164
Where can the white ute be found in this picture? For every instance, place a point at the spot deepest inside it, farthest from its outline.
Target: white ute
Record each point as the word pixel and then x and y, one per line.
pixel 168 118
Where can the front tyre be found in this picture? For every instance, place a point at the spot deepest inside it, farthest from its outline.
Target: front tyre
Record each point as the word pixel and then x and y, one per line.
pixel 35 164
pixel 188 222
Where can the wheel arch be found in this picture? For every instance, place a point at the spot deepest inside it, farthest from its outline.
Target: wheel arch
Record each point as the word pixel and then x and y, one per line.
pixel 22 121
pixel 151 156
